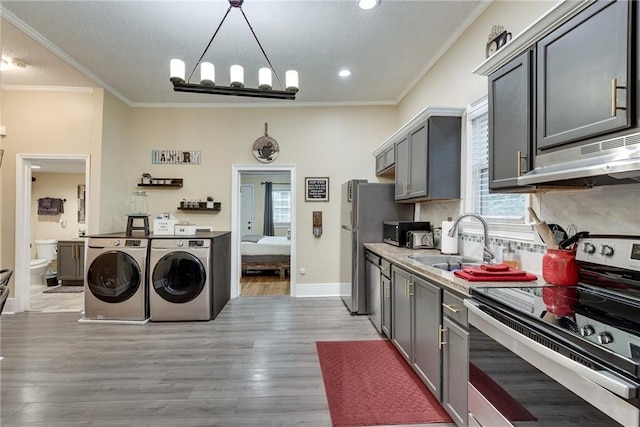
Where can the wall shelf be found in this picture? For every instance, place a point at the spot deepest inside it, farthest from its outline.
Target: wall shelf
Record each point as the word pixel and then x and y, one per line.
pixel 173 183
pixel 214 209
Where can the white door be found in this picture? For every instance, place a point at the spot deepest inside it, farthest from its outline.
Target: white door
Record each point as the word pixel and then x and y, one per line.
pixel 246 209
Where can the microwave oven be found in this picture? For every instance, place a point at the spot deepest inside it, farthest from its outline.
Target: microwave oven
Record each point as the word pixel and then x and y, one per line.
pixel 395 232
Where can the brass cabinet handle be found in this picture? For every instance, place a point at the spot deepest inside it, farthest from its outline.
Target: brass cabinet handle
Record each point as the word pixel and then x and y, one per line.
pixel 519 170
pixel 614 97
pixel 441 341
pixel 450 307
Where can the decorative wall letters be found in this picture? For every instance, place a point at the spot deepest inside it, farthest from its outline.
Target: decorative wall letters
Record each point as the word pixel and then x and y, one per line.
pixel 175 157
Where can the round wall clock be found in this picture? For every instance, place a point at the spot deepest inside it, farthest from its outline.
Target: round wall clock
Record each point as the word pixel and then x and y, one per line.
pixel 265 148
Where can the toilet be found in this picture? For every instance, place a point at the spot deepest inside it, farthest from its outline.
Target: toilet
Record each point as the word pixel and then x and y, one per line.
pixel 46 251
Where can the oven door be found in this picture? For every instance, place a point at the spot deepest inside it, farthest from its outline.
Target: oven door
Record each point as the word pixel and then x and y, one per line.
pixel 513 379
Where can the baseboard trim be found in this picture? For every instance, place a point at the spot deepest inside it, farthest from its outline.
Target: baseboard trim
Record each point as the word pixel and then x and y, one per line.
pixel 311 290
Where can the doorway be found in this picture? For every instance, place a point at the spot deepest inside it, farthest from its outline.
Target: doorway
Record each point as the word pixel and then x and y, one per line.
pixel 49 172
pixel 262 260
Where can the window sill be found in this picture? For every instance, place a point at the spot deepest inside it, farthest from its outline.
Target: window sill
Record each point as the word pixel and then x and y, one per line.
pixel 519 232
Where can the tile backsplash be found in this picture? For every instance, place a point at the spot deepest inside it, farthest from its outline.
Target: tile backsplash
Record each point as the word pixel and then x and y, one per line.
pixel 601 210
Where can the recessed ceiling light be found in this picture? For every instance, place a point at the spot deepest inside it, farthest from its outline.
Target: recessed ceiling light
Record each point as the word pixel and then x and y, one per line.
pixel 344 73
pixel 368 4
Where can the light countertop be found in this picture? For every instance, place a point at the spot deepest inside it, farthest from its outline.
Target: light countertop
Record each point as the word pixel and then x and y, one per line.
pixel 400 256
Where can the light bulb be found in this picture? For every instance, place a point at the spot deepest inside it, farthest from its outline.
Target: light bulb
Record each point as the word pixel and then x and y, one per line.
pixel 176 68
pixel 237 76
pixel 207 74
pixel 291 80
pixel 368 4
pixel 264 78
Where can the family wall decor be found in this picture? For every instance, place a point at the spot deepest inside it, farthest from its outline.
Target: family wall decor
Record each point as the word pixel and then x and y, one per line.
pixel 176 157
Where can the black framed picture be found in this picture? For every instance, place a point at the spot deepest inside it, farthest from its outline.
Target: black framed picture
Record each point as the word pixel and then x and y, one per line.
pixel 316 189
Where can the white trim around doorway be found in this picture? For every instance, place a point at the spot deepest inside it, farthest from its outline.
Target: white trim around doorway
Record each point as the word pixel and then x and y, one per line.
pixel 21 300
pixel 235 221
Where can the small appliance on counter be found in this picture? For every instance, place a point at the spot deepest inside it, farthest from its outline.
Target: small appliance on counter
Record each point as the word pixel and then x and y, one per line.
pixel 420 239
pixel 395 232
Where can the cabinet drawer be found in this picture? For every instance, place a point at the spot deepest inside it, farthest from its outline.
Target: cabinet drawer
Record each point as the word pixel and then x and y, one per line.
pixel 453 308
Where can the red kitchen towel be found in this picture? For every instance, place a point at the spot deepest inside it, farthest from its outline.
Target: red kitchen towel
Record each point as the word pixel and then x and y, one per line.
pixel 495 267
pixel 493 277
pixel 484 272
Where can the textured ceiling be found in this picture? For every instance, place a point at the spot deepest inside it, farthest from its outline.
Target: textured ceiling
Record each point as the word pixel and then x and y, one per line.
pixel 125 46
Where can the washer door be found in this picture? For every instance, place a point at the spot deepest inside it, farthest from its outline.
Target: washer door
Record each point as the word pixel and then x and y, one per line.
pixel 179 277
pixel 114 277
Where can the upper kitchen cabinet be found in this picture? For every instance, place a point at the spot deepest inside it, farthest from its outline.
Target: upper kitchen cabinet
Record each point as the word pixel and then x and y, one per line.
pixel 510 122
pixel 385 162
pixel 583 75
pixel 428 160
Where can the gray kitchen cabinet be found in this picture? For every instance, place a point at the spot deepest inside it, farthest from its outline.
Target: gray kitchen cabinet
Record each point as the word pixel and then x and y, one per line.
pixel 385 280
pixel 385 161
pixel 401 312
pixel 70 269
pixel 428 160
pixel 427 312
pixel 583 76
pixel 510 122
pixel 402 167
pixel 454 341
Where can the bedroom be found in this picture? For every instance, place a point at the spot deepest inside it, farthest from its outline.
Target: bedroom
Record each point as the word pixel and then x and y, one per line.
pixel 265 212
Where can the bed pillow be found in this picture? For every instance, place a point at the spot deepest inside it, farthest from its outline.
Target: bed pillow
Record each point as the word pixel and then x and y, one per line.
pixel 252 238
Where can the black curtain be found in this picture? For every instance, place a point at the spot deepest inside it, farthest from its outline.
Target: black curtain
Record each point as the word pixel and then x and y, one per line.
pixel 268 228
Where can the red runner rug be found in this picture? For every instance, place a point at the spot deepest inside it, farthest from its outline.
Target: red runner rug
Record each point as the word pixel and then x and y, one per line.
pixel 369 383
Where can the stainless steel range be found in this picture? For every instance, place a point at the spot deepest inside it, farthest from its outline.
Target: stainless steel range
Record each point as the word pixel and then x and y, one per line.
pixel 584 337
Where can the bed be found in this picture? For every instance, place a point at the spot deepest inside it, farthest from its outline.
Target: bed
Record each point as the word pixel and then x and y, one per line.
pixel 266 253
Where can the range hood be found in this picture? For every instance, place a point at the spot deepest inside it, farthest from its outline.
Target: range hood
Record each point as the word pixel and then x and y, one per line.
pixel 614 161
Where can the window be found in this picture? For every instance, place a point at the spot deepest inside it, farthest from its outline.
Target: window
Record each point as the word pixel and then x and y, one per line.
pixel 496 207
pixel 281 205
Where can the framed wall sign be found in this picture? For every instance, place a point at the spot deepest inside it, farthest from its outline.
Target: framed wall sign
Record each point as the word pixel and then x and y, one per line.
pixel 316 189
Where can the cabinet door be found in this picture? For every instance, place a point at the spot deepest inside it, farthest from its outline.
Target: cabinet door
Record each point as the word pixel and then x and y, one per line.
pixel 510 122
pixel 427 305
pixel 67 268
pixel 455 371
pixel 418 152
pixel 443 158
pixel 386 307
pixel 583 72
pixel 402 168
pixel 401 312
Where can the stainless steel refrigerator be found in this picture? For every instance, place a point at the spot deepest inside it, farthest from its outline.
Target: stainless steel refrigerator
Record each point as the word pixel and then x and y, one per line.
pixel 365 206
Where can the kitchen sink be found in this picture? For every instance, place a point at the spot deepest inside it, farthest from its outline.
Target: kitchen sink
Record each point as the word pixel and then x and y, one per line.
pixel 444 262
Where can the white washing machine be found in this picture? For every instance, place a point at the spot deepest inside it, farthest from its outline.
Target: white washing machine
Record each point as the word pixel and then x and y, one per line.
pixel 116 282
pixel 179 279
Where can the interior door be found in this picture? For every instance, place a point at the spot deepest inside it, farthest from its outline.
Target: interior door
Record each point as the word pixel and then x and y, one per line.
pixel 246 209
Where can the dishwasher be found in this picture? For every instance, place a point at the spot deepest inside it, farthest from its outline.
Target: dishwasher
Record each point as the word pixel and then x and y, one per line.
pixel 374 292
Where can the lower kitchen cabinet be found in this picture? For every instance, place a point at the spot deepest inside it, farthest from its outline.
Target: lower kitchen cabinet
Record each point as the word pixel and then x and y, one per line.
pixel 455 358
pixel 401 312
pixel 386 306
pixel 427 312
pixel 70 269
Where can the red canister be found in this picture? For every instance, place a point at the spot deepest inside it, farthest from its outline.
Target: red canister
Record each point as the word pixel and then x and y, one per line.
pixel 559 267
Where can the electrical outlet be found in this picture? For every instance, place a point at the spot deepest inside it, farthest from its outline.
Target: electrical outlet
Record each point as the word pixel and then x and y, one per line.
pixel 303 271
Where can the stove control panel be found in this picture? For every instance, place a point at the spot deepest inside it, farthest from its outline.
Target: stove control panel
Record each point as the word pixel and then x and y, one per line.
pixel 621 252
pixel 608 336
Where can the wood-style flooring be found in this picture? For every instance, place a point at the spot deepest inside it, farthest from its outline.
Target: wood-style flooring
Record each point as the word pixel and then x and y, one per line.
pixel 263 284
pixel 254 365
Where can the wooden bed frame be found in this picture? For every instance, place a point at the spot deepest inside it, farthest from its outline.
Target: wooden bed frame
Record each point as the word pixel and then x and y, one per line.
pixel 281 263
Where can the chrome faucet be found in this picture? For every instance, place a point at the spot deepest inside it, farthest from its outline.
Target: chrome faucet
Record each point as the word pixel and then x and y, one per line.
pixel 487 255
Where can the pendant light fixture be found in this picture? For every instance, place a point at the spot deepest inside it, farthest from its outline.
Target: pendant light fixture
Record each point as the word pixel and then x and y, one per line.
pixel 236 73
